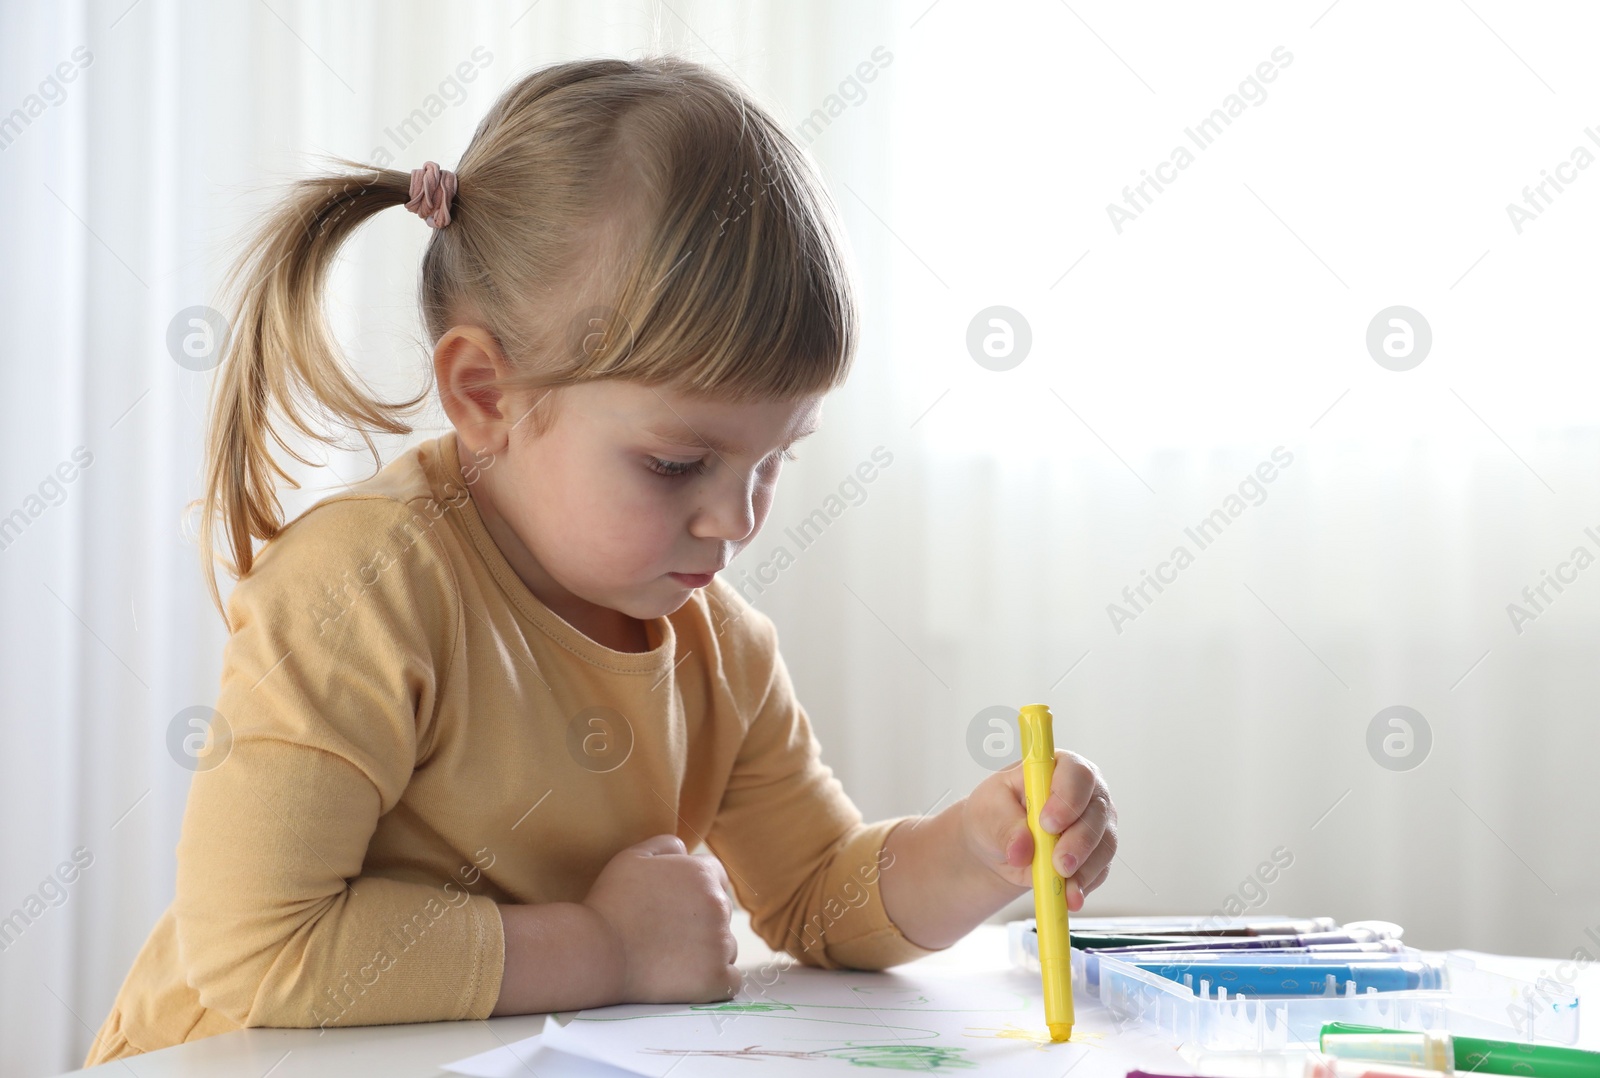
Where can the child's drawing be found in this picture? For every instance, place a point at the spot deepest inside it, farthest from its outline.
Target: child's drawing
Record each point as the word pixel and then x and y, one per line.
pixel 835 1020
pixel 905 1057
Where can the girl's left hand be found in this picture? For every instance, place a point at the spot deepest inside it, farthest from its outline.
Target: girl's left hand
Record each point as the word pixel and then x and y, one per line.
pixel 1078 810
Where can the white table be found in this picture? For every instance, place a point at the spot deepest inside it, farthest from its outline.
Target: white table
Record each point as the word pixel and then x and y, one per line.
pixel 416 1051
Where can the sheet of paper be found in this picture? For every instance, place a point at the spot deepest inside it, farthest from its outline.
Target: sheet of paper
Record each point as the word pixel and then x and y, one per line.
pixel 530 1056
pixel 837 1020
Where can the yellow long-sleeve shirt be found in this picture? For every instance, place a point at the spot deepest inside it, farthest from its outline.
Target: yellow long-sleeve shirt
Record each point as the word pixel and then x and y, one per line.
pixel 409 737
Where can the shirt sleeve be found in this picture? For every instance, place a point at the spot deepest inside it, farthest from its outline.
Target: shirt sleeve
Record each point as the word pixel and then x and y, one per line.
pixel 329 684
pixel 798 854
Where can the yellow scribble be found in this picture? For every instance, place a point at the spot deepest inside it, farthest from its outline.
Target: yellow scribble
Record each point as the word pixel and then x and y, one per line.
pixel 1039 1038
pixel 1010 1031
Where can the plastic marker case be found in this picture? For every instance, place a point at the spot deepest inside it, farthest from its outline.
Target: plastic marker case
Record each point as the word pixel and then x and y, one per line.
pixel 1477 1002
pixel 1162 963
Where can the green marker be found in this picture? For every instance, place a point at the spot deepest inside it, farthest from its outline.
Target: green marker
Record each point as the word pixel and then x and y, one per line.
pixel 1438 1050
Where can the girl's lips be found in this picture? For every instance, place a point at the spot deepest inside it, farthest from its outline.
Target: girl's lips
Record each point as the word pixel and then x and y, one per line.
pixel 693 580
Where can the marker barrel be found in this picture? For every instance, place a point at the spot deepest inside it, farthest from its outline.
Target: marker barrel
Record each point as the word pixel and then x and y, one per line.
pixel 1049 890
pixel 1463 1053
pixel 1321 1066
pixel 1428 1050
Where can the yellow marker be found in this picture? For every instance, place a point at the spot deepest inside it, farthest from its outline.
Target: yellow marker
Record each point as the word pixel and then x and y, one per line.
pixel 1049 891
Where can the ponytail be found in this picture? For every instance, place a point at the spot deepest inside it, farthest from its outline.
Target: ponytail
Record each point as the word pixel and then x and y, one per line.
pixel 281 358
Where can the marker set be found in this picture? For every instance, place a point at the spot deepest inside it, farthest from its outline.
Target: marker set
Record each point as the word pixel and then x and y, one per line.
pixel 1365 956
pixel 1261 957
pixel 1258 984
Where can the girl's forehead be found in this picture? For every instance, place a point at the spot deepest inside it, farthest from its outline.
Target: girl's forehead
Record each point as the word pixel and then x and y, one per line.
pixel 732 427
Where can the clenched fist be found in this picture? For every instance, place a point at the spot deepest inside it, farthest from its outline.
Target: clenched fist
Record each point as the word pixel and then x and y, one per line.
pixel 668 913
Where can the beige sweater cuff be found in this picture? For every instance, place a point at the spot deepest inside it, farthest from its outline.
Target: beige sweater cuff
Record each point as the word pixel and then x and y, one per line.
pixel 851 927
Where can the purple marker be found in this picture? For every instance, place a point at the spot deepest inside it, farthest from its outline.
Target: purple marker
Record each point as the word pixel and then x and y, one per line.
pixel 1333 952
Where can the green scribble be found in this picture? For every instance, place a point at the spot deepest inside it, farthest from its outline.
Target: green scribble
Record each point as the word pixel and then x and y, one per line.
pixel 737 1006
pixel 903 1057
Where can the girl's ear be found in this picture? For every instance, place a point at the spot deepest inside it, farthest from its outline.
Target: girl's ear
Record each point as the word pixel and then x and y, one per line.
pixel 466 358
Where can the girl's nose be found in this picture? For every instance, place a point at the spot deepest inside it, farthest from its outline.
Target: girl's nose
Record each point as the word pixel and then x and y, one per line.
pixel 730 513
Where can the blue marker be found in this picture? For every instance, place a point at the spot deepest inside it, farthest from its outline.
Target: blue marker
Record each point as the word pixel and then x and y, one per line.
pixel 1301 980
pixel 1356 953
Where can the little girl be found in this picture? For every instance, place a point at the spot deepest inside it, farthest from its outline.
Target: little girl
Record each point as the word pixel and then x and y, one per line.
pixel 476 710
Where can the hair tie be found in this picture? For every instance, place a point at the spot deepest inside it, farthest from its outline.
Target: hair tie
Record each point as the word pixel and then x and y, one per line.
pixel 432 189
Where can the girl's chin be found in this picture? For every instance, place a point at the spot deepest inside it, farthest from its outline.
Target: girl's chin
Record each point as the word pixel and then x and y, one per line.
pixel 665 597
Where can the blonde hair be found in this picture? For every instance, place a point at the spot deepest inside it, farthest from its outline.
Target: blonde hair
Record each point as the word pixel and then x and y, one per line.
pixel 614 219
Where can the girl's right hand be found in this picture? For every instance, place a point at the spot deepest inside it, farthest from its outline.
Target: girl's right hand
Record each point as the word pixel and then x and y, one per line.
pixel 668 913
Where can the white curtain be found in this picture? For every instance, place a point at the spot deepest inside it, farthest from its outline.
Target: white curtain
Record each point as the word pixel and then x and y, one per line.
pixel 1175 347
pixel 1006 510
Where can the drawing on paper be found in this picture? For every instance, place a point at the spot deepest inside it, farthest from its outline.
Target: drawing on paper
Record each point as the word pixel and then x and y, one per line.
pixel 882 1021
pixel 991 1022
pixel 906 1057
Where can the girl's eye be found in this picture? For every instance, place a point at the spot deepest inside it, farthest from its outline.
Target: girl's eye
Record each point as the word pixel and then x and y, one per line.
pixel 671 468
pixel 675 468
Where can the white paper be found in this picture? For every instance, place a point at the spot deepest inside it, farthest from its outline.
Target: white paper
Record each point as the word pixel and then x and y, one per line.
pixel 816 1020
pixel 531 1056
